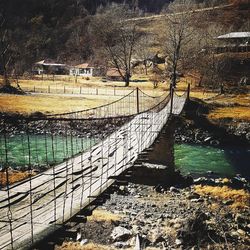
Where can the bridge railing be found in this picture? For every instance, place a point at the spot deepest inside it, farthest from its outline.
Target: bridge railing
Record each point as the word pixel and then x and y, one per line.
pixel 73 178
pixel 131 104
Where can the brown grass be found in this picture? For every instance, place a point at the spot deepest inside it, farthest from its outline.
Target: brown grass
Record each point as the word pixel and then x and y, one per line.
pixel 138 80
pixel 77 246
pixel 243 100
pixel 102 215
pixel 49 103
pixel 240 198
pixel 14 177
pixel 239 113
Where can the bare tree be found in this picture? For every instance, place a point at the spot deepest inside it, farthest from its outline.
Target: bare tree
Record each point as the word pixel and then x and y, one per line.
pixel 157 76
pixel 117 37
pixel 143 54
pixel 178 36
pixel 212 67
pixel 5 55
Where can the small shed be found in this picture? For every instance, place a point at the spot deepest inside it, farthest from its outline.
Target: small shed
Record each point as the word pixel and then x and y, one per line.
pixel 114 75
pixel 83 69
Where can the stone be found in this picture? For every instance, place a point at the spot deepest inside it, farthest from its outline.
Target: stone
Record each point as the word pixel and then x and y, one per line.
pixel 197 200
pixel 193 196
pixel 120 244
pixel 195 248
pixel 207 139
pixel 177 226
pixel 137 196
pixel 120 234
pixel 78 236
pixel 214 142
pixel 174 190
pixel 234 234
pixel 240 219
pixel 210 172
pixel 178 242
pixel 135 229
pixel 228 202
pixel 159 239
pixel 83 242
pixel 241 232
pixel 248 136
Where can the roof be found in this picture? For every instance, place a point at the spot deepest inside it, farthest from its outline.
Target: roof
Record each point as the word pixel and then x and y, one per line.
pixel 114 72
pixel 234 35
pixel 48 62
pixel 83 66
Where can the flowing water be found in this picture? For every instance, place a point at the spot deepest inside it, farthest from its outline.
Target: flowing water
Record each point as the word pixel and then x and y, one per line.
pixel 223 162
pixel 41 151
pixel 193 159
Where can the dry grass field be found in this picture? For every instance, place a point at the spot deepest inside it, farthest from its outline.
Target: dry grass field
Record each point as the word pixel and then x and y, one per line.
pixel 235 107
pixel 50 104
pixel 236 113
pixel 95 92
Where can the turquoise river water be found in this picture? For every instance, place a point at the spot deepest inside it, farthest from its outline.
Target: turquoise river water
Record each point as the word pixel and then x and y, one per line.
pixel 227 161
pixel 193 159
pixel 42 150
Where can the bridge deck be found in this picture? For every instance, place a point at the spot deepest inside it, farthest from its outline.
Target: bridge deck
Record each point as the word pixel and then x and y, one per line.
pixel 61 192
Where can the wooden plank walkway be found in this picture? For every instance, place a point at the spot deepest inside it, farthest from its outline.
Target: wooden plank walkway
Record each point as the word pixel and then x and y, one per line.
pixel 61 192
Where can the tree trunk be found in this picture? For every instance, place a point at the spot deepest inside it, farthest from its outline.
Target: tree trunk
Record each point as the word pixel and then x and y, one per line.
pixel 146 69
pixel 200 81
pixel 127 79
pixel 6 81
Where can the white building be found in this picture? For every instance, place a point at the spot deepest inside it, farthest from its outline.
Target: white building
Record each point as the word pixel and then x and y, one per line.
pixel 81 70
pixel 49 66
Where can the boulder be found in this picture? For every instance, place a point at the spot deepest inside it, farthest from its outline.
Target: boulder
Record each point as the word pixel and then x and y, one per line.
pixel 121 234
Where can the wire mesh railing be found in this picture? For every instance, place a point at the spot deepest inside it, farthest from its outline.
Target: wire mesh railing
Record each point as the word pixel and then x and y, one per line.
pixel 131 104
pixel 74 90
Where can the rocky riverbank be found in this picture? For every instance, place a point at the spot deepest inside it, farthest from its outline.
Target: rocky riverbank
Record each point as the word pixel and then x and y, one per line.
pixel 195 127
pixel 39 124
pixel 210 214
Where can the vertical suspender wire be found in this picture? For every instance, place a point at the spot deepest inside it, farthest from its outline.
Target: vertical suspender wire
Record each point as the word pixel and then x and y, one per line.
pixel 91 169
pixel 76 143
pixel 102 161
pixel 46 148
pixel 116 141
pixel 23 149
pixel 30 183
pixel 53 171
pixel 125 147
pixel 1 150
pixel 56 148
pixel 36 150
pixel 109 162
pixel 66 173
pixel 63 142
pixel 7 187
pixel 72 168
pixel 82 149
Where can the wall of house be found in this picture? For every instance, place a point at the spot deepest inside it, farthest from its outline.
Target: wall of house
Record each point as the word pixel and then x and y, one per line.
pixel 81 72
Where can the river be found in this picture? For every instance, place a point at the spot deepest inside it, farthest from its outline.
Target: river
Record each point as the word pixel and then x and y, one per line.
pixel 222 162
pixel 190 159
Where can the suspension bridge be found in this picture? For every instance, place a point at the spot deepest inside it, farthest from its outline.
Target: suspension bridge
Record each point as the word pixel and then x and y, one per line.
pixel 78 167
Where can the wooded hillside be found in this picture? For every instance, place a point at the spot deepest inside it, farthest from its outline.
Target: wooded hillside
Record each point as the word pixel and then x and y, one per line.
pixel 59 29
